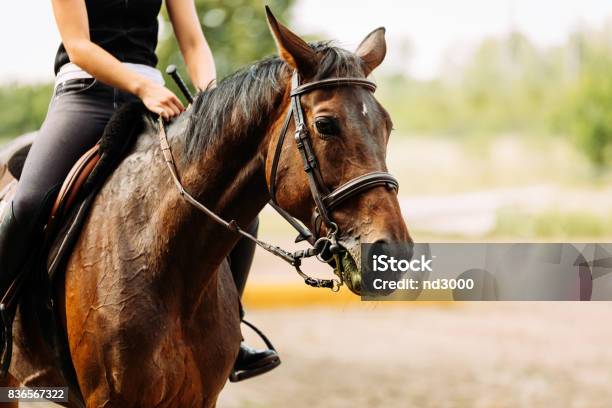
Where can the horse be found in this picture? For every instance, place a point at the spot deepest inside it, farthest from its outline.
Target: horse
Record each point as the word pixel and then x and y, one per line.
pixel 150 310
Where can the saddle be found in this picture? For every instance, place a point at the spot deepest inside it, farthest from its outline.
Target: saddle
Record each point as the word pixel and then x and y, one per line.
pixel 67 215
pixel 72 185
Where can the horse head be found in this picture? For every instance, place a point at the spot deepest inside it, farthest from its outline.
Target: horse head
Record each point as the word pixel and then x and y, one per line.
pixel 345 131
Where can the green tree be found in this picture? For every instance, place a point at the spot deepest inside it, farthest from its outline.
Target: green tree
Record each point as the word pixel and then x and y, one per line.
pixel 587 112
pixel 236 30
pixel 590 109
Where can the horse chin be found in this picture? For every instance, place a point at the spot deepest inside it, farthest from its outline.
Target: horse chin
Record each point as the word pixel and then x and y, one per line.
pixel 351 266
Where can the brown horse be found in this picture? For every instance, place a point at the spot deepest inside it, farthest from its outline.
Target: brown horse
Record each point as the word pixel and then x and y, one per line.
pixel 151 311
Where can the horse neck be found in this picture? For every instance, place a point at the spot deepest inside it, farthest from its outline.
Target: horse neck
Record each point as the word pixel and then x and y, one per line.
pixel 229 178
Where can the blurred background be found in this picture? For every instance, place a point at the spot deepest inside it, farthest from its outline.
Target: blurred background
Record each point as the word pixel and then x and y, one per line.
pixel 503 132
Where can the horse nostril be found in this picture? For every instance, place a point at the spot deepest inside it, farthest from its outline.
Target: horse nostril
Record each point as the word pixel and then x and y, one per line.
pixel 398 250
pixel 378 247
pixel 385 245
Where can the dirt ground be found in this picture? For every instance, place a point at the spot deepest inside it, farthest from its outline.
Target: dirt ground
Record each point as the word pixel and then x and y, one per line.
pixel 422 355
pixel 481 355
pixel 473 355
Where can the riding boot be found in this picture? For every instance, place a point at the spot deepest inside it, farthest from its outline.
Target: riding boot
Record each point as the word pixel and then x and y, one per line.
pixel 13 250
pixel 250 362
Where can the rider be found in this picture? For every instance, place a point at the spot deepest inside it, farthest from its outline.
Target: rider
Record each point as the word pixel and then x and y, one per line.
pixel 107 58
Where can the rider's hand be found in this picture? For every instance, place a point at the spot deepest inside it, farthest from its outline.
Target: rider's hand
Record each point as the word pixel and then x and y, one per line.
pixel 161 100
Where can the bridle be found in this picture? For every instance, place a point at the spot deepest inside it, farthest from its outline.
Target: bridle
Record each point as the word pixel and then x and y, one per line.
pixel 324 199
pixel 325 248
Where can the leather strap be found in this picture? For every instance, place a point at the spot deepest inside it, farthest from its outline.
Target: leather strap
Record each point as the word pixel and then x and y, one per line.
pixel 333 83
pixel 309 159
pixel 359 185
pixel 304 233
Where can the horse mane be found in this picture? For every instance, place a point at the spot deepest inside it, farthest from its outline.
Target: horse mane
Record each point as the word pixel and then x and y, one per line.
pixel 245 100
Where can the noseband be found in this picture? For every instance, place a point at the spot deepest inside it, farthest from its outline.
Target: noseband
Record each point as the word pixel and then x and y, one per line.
pixel 324 199
pixel 325 248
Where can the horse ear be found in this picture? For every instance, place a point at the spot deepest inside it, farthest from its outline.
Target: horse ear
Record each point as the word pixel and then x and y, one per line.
pixel 373 49
pixel 292 49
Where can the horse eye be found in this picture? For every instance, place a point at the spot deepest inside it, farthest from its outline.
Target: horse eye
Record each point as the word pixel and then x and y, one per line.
pixel 327 126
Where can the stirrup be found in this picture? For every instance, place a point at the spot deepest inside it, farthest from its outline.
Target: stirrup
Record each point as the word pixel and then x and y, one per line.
pixel 263 366
pixel 237 376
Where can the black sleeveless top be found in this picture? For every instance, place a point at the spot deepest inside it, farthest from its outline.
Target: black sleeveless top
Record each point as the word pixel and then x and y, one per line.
pixel 125 28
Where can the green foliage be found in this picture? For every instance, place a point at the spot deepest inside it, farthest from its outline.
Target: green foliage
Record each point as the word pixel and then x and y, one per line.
pixel 236 31
pixel 589 109
pixel 23 108
pixel 507 85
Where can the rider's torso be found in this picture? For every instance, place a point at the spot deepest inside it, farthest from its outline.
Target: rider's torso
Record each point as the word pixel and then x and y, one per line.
pixel 125 28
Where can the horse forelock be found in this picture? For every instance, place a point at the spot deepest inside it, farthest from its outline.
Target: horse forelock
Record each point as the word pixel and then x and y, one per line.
pixel 247 98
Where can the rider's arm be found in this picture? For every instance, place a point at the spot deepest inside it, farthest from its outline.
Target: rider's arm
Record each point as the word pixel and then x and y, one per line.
pixel 71 18
pixel 195 49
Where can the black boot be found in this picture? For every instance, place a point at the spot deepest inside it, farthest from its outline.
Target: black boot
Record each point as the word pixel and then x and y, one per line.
pixel 250 362
pixel 13 245
pixel 13 250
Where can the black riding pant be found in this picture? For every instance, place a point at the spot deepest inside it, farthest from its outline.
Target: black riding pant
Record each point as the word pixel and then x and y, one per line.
pixel 77 114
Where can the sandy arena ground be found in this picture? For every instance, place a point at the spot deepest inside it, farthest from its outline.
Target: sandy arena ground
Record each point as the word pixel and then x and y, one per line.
pixel 473 355
pixel 339 352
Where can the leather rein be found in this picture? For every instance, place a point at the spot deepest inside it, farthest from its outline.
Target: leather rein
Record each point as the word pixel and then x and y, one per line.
pixel 326 248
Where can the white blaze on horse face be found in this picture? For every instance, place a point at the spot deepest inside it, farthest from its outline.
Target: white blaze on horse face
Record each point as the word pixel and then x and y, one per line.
pixel 364 111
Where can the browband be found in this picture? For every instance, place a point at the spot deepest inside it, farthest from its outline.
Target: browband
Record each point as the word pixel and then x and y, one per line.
pixel 333 82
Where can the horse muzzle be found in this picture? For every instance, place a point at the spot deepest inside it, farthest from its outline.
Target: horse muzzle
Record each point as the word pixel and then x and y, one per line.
pixel 348 269
pixel 351 268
